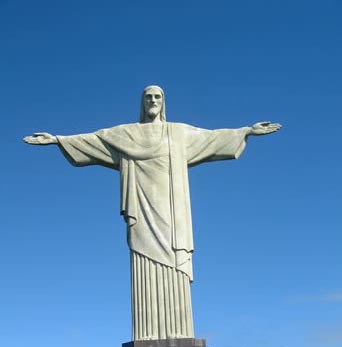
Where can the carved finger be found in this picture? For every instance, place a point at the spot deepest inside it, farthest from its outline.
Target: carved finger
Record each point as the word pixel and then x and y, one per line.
pixel 275 126
pixel 31 141
pixel 274 131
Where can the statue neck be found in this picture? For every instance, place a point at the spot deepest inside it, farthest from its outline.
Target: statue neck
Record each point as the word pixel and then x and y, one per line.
pixel 155 120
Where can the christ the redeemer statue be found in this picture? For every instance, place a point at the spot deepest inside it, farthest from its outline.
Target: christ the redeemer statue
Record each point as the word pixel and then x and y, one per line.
pixel 153 157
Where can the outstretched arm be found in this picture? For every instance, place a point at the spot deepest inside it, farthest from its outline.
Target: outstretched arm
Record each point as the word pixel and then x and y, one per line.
pixel 41 139
pixel 80 150
pixel 263 128
pixel 221 144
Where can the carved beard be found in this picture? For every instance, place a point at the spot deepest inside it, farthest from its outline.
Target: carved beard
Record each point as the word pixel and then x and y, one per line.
pixel 153 112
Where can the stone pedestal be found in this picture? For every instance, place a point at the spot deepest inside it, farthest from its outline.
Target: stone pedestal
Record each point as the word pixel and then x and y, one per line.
pixel 167 343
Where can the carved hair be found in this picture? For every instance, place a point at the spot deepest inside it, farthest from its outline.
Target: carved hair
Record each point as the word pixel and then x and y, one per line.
pixel 142 107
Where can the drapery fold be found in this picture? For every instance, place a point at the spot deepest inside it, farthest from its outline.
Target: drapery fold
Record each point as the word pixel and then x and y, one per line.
pixel 161 301
pixel 127 148
pixel 153 160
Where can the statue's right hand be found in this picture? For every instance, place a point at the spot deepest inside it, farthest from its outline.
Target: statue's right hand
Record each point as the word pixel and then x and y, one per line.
pixel 40 139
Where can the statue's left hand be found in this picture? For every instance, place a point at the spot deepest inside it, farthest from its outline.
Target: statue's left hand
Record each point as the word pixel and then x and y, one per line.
pixel 263 128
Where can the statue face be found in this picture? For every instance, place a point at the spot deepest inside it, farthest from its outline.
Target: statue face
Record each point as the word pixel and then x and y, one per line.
pixel 153 101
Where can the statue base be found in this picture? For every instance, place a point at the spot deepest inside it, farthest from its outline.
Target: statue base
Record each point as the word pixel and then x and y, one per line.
pixel 188 342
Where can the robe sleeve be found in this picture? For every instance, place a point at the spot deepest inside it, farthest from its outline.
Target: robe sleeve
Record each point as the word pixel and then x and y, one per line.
pixel 211 145
pixel 88 149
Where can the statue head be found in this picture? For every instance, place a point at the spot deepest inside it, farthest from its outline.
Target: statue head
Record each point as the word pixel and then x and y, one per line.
pixel 152 104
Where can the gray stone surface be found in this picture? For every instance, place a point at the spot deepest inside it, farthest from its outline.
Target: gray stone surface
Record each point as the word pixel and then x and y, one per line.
pixel 167 343
pixel 153 157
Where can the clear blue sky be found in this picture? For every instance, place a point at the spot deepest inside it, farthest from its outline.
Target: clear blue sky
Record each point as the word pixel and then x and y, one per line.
pixel 268 254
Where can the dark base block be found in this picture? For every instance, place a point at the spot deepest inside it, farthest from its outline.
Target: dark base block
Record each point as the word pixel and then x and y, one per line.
pixel 167 343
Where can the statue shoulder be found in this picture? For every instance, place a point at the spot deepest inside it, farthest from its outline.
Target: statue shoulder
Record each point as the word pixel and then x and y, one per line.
pixel 125 126
pixel 119 127
pixel 122 130
pixel 180 126
pixel 186 128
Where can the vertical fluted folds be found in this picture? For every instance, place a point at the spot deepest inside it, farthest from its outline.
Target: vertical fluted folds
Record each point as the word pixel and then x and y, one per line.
pixel 161 301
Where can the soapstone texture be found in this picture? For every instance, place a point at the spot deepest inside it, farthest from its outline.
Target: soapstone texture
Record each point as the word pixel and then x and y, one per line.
pixel 153 158
pixel 167 343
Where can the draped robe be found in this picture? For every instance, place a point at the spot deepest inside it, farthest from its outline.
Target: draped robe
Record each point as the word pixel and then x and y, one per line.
pixel 153 161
